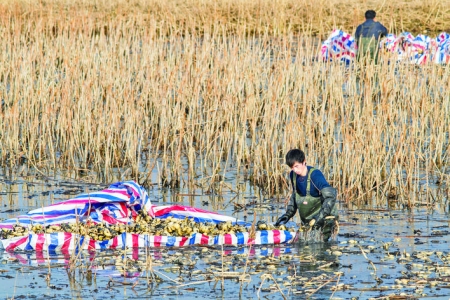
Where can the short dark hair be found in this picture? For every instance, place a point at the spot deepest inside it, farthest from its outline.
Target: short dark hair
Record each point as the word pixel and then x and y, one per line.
pixel 294 156
pixel 370 14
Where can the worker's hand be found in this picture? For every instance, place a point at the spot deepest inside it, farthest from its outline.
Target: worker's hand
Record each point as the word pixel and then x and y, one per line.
pixel 317 221
pixel 282 220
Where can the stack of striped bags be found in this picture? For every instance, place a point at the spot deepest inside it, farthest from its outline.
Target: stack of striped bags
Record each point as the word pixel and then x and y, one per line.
pixel 442 54
pixel 420 50
pixel 340 46
pixel 118 204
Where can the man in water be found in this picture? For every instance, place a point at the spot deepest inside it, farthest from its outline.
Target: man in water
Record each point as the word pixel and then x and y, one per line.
pixel 312 196
pixel 368 35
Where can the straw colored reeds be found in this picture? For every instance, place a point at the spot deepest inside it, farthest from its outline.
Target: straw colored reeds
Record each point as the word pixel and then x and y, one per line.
pixel 100 86
pixel 235 16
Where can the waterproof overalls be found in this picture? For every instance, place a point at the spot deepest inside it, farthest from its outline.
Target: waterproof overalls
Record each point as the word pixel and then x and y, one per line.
pixel 309 206
pixel 368 49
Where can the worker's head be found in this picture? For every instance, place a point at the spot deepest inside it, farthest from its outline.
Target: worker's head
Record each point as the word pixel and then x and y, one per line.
pixel 370 15
pixel 295 159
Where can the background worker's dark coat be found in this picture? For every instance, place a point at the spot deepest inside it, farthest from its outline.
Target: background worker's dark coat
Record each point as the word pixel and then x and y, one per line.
pixel 370 29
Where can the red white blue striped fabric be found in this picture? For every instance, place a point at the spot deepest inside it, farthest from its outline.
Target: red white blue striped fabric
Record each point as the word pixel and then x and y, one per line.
pixel 197 214
pixel 116 204
pixel 442 53
pixel 341 46
pixel 416 50
pixel 63 241
pixel 113 205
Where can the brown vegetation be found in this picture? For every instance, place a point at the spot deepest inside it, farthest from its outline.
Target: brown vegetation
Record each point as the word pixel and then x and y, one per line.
pixel 278 17
pixel 184 86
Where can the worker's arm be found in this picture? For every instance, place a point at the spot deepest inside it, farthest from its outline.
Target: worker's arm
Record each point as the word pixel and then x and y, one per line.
pixel 329 200
pixel 328 194
pixel 358 33
pixel 290 211
pixel 384 31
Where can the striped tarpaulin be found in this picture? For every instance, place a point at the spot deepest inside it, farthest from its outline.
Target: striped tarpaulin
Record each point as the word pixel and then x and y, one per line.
pixel 197 214
pixel 442 49
pixel 421 49
pixel 119 203
pixel 63 241
pixel 340 46
pixel 113 205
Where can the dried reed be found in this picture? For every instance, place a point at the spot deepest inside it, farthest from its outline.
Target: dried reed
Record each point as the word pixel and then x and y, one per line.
pixel 104 87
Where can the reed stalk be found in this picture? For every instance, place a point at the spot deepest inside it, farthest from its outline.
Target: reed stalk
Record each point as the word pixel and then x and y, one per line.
pixel 105 87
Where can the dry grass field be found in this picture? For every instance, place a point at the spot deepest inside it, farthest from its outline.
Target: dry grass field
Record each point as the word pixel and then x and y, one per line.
pixel 200 88
pixel 279 17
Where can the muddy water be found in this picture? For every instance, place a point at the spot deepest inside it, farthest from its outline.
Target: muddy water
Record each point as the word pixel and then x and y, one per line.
pixel 377 253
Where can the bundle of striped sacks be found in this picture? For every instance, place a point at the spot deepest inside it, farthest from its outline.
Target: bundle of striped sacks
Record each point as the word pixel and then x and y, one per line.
pixel 116 205
pixel 421 49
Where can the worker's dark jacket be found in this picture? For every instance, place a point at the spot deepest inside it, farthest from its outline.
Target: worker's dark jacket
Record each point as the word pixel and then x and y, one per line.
pixel 368 36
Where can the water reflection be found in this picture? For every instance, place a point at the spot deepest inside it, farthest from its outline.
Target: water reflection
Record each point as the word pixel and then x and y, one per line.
pixel 378 252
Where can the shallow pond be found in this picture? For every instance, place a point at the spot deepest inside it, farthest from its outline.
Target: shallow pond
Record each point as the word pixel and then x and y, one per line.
pixel 376 253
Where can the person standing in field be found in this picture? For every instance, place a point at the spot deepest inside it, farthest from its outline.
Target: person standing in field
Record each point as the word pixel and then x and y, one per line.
pixel 312 196
pixel 368 35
